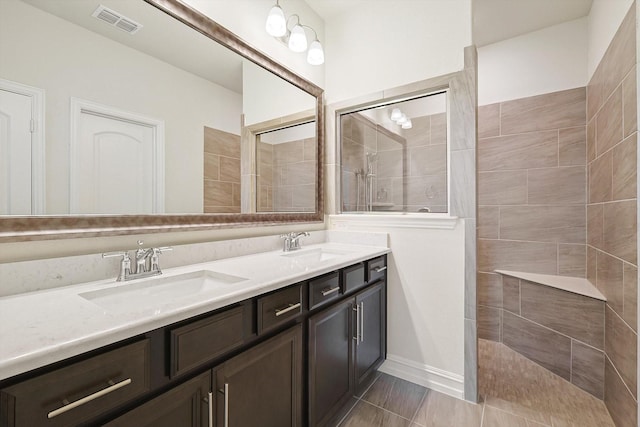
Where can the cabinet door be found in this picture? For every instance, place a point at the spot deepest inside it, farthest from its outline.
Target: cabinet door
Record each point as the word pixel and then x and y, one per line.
pixel 370 349
pixel 330 361
pixel 262 386
pixel 185 405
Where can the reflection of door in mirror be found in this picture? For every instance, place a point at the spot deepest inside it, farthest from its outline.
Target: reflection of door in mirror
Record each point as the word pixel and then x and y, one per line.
pixel 286 165
pixel 21 149
pixel 394 157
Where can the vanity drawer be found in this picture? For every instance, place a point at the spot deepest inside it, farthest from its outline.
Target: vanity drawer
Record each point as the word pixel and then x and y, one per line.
pixel 353 277
pixel 78 392
pixel 376 268
pixel 279 307
pixel 324 289
pixel 204 340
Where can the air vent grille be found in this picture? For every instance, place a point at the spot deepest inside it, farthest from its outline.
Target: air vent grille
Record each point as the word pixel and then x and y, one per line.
pixel 116 19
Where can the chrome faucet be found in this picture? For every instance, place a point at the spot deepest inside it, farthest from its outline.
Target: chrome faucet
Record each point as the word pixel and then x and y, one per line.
pixel 292 240
pixel 146 262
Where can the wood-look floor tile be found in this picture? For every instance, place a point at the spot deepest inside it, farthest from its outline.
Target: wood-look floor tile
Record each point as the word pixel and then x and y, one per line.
pixel 440 410
pixel 396 395
pixel 496 418
pixel 367 415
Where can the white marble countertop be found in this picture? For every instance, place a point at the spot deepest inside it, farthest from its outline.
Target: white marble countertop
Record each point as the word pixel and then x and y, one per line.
pixel 42 327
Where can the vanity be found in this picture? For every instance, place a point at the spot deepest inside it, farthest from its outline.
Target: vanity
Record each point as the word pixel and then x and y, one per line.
pixel 270 339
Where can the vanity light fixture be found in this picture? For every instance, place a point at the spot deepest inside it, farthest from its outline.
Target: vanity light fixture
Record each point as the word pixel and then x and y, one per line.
pixel 296 38
pixel 407 124
pixel 400 118
pixel 396 114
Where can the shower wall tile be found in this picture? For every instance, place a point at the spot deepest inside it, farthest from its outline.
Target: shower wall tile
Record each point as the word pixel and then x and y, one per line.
pixel 489 290
pixel 489 323
pixel 420 133
pixel 609 123
pixel 522 151
pixel 601 179
pixel 620 230
pixel 488 222
pixel 609 280
pixel 428 160
pixel 591 140
pixel 630 296
pixel 571 314
pixel 221 143
pixel 533 257
pixel 620 56
pixel 620 402
pixel 218 193
pixel 489 120
pixel 592 259
pixel 221 167
pixel 572 260
pixel 544 346
pixel 624 160
pixel 560 224
pixel 621 346
pixel 511 294
pixel 629 104
pixel 550 111
pixel 568 186
pixel 595 225
pixel 587 368
pixel 211 166
pixel 572 146
pixel 438 129
pixel 229 169
pixel 502 188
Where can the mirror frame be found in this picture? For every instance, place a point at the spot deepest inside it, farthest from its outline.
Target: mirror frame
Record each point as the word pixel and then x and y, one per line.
pixel 29 228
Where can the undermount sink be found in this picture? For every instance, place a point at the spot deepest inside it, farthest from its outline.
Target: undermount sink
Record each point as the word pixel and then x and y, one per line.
pixel 314 255
pixel 157 293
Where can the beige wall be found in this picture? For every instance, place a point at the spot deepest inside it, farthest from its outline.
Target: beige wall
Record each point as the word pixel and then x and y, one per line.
pixel 612 263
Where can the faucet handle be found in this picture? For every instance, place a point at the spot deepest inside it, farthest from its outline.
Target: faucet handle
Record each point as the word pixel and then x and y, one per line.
pixel 124 255
pixel 163 249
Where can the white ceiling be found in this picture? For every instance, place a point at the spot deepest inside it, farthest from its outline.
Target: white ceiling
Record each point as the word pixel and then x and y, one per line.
pixel 493 20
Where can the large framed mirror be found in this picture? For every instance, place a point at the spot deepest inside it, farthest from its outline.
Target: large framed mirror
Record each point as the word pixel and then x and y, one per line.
pixel 141 116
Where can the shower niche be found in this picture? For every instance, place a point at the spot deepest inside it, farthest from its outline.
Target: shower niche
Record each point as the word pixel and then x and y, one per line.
pixel 394 156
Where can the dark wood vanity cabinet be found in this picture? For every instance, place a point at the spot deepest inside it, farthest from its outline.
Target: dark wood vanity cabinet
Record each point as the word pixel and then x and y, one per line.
pixel 263 385
pixel 347 343
pixel 288 358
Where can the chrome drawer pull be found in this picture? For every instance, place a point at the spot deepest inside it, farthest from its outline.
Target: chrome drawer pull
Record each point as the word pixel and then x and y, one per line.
pixel 328 291
pixel 362 321
pixel 210 402
pixel 86 399
pixel 287 309
pixel 226 404
pixel 380 269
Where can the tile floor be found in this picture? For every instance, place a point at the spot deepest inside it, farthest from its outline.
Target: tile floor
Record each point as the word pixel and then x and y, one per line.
pixel 516 393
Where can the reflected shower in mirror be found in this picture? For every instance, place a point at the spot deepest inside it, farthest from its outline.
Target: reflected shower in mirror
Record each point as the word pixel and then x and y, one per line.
pixel 394 156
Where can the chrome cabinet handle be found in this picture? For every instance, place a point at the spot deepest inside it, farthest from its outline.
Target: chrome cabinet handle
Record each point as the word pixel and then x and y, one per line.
pixel 356 308
pixel 380 269
pixel 328 291
pixel 226 404
pixel 87 399
pixel 210 402
pixel 280 312
pixel 362 321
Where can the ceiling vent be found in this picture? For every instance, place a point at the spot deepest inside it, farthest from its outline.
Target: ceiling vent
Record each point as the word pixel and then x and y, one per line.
pixel 117 20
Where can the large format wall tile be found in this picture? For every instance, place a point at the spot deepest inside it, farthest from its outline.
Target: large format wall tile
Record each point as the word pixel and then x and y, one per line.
pixel 619 401
pixel 629 105
pixel 568 184
pixel 630 296
pixel 595 225
pixel 592 265
pixel 587 368
pixel 490 290
pixel 543 223
pixel 620 57
pixel 624 162
pixel 621 346
pixel 609 123
pixel 488 220
pixel 572 146
pixel 488 121
pixel 511 294
pixel 532 257
pixel 572 260
pixel 591 140
pixel 502 188
pixel 522 151
pixel 542 345
pixel 574 315
pixel 600 179
pixel 609 280
pixel 550 111
pixel 489 323
pixel 620 230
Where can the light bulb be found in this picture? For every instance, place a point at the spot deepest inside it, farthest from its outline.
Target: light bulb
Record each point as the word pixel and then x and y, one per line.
pixel 276 25
pixel 407 124
pixel 315 56
pixel 402 120
pixel 298 39
pixel 396 114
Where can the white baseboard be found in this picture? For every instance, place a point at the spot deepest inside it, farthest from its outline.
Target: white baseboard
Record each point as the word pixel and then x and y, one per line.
pixel 427 376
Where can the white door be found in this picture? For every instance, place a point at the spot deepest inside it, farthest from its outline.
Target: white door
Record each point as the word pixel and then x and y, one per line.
pixel 116 168
pixel 15 153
